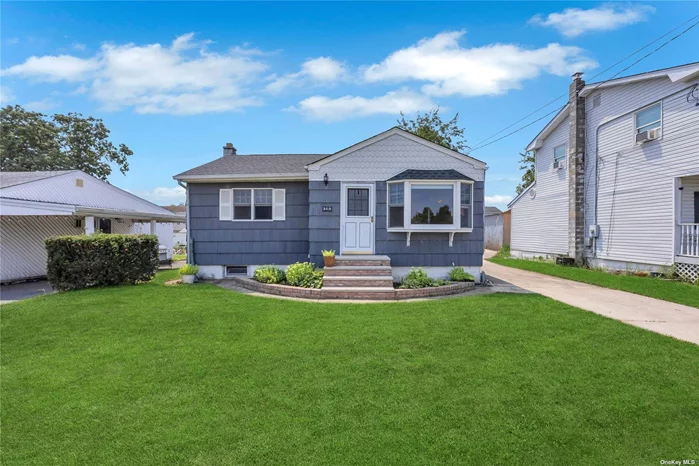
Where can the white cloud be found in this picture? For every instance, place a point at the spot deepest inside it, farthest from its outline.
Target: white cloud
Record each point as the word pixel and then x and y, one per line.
pixel 6 95
pixel 54 68
pixel 573 22
pixel 163 195
pixel 498 199
pixel 43 105
pixel 182 78
pixel 324 108
pixel 450 69
pixel 321 70
pixel 79 46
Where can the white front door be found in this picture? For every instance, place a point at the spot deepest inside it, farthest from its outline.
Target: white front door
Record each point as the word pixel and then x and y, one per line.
pixel 357 219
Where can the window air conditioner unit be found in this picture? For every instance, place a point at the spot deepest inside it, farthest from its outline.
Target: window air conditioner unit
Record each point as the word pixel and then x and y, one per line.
pixel 559 164
pixel 648 135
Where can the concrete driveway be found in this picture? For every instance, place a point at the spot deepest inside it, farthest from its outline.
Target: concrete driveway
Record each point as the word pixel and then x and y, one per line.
pixel 20 291
pixel 675 320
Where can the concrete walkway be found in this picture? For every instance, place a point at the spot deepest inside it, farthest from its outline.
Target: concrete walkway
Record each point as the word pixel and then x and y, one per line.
pixel 675 320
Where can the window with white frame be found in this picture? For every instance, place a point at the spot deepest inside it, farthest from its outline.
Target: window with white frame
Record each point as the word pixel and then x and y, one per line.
pixel 396 200
pixel 559 153
pixel 649 118
pixel 252 204
pixel 466 203
pixel 432 206
pixel 263 204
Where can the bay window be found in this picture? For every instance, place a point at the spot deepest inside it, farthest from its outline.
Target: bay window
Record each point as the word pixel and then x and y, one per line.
pixel 443 205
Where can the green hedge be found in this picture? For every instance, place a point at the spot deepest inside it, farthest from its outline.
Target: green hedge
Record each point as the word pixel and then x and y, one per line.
pixel 76 262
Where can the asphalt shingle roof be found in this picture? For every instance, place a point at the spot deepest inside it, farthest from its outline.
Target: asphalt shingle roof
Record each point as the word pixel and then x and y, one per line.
pixel 8 179
pixel 257 164
pixel 430 175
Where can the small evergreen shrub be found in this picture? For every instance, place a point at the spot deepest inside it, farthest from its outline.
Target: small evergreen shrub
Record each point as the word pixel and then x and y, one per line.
pixel 269 274
pixel 418 278
pixel 457 274
pixel 77 262
pixel 189 269
pixel 305 275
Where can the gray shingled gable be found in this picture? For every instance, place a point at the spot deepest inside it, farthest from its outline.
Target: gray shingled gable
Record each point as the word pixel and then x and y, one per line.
pixel 255 164
pixel 430 175
pixel 8 179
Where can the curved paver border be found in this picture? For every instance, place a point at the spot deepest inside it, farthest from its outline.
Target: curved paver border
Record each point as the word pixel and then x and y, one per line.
pixel 332 293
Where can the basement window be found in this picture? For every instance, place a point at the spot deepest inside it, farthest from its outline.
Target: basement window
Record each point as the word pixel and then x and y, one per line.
pixel 236 270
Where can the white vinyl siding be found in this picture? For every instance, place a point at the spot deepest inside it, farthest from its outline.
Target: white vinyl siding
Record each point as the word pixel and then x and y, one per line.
pixel 636 181
pixel 540 224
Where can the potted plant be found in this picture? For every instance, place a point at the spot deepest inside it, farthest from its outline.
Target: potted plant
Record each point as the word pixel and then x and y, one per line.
pixel 328 257
pixel 188 272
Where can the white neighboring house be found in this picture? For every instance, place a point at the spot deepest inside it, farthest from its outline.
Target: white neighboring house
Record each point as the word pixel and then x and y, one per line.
pixel 37 205
pixel 617 176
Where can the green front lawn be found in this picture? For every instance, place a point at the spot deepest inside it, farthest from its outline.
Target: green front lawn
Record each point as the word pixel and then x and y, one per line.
pixel 673 291
pixel 151 374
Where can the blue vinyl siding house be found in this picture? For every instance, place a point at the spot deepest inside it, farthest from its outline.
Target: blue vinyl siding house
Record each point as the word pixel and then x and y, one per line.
pixel 394 194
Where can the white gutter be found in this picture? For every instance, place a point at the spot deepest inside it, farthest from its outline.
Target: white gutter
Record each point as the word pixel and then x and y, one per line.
pixel 243 177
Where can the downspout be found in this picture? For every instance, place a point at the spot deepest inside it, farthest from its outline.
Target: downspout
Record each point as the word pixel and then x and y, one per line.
pixel 190 250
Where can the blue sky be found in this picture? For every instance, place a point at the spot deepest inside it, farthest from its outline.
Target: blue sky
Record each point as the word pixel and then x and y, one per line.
pixel 175 81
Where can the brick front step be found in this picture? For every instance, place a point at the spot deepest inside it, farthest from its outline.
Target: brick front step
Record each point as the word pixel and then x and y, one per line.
pixel 360 281
pixel 362 261
pixel 354 271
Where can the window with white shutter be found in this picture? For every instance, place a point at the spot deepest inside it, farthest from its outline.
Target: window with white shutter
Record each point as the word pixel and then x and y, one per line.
pixel 279 204
pixel 225 204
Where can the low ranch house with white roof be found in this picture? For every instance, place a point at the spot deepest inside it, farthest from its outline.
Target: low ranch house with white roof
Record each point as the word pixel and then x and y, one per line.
pixel 617 176
pixel 38 205
pixel 394 196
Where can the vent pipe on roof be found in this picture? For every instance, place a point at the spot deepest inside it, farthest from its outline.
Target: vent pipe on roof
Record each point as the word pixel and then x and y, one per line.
pixel 228 149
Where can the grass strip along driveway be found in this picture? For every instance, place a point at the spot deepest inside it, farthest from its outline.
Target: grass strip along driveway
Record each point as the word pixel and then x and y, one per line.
pixel 667 290
pixel 151 374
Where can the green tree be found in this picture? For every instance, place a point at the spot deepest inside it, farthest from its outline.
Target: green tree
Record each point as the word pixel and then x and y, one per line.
pixel 431 127
pixel 30 141
pixel 526 163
